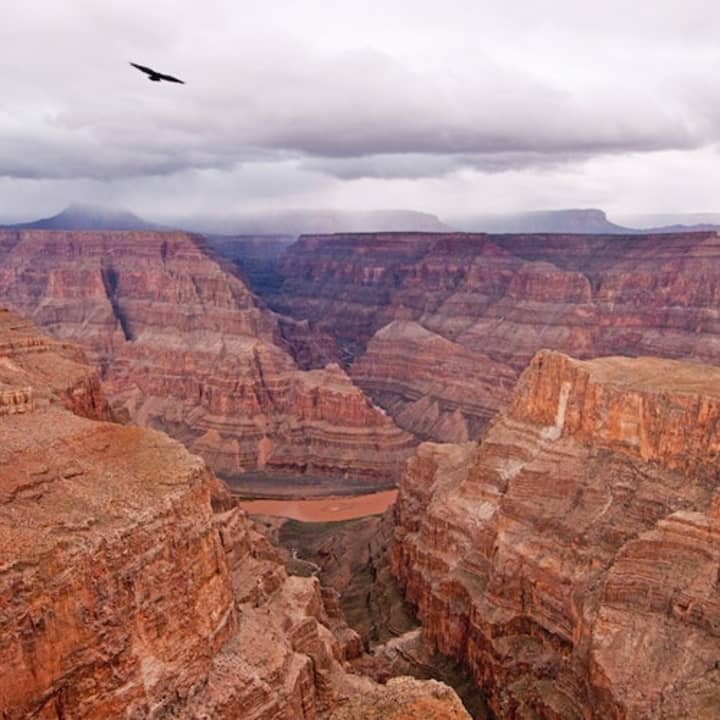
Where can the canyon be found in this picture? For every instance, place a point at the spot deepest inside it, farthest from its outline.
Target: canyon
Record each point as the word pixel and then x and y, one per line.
pixel 436 328
pixel 571 559
pixel 185 347
pixel 558 537
pixel 131 583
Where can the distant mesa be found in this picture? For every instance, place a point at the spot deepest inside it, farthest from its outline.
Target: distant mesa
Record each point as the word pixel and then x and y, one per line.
pixel 586 221
pixel 90 217
pixel 590 221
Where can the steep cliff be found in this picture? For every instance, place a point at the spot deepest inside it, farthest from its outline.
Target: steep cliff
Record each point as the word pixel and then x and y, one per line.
pixel 496 300
pixel 130 584
pixel 571 560
pixel 186 348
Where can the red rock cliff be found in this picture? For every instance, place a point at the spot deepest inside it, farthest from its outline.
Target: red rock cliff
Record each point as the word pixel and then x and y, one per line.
pixel 186 348
pixel 36 371
pixel 488 303
pixel 572 559
pixel 130 585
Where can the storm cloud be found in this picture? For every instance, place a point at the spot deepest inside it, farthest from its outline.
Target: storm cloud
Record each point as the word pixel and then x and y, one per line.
pixel 363 97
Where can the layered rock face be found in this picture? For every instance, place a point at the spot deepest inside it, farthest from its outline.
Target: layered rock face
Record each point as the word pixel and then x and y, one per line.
pixel 321 424
pixel 489 302
pixel 36 371
pixel 432 386
pixel 572 559
pixel 130 584
pixel 188 349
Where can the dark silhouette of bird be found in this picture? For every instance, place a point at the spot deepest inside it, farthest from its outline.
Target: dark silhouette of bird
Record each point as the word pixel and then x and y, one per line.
pixel 156 76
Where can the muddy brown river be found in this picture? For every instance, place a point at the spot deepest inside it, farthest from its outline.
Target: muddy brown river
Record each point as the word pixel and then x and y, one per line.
pixel 324 509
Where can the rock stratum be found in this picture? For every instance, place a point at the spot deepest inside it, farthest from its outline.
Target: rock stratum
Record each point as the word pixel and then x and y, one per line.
pixel 571 560
pixel 186 348
pixel 438 327
pixel 131 586
pixel 36 372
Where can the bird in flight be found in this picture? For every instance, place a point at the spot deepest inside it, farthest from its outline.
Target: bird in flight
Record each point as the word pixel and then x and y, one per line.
pixel 156 76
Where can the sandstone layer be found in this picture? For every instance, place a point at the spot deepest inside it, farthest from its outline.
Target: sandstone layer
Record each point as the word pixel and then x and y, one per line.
pixel 36 371
pixel 405 699
pixel 488 303
pixel 571 560
pixel 131 586
pixel 432 386
pixel 186 348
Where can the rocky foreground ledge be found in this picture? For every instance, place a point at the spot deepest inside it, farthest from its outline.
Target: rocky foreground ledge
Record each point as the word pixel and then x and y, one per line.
pixel 571 560
pixel 132 587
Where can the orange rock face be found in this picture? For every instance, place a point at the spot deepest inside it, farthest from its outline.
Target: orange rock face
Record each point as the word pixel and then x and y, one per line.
pixel 186 348
pixel 130 584
pixel 404 699
pixel 571 560
pixel 488 303
pixel 432 386
pixel 36 371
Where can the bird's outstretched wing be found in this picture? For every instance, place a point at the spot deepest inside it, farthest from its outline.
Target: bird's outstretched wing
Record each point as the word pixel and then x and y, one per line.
pixel 170 78
pixel 155 75
pixel 144 69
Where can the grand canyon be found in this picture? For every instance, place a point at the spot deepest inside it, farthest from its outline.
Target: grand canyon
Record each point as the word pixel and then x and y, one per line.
pixel 547 406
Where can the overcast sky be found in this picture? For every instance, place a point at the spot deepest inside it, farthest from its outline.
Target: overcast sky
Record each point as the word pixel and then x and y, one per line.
pixel 456 107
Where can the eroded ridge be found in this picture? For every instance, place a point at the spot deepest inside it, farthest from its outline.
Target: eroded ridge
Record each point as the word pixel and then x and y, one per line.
pixel 571 559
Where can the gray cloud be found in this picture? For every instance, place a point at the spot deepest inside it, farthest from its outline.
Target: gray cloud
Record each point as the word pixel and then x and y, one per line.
pixel 385 94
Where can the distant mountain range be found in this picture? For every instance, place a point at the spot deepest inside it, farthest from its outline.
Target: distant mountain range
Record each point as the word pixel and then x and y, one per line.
pixel 298 222
pixel 285 222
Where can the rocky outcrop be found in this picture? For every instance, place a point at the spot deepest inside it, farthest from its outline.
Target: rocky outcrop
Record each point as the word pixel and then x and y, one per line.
pixel 571 559
pixel 37 371
pixel 496 300
pixel 321 425
pixel 131 586
pixel 432 386
pixel 186 348
pixel 404 699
